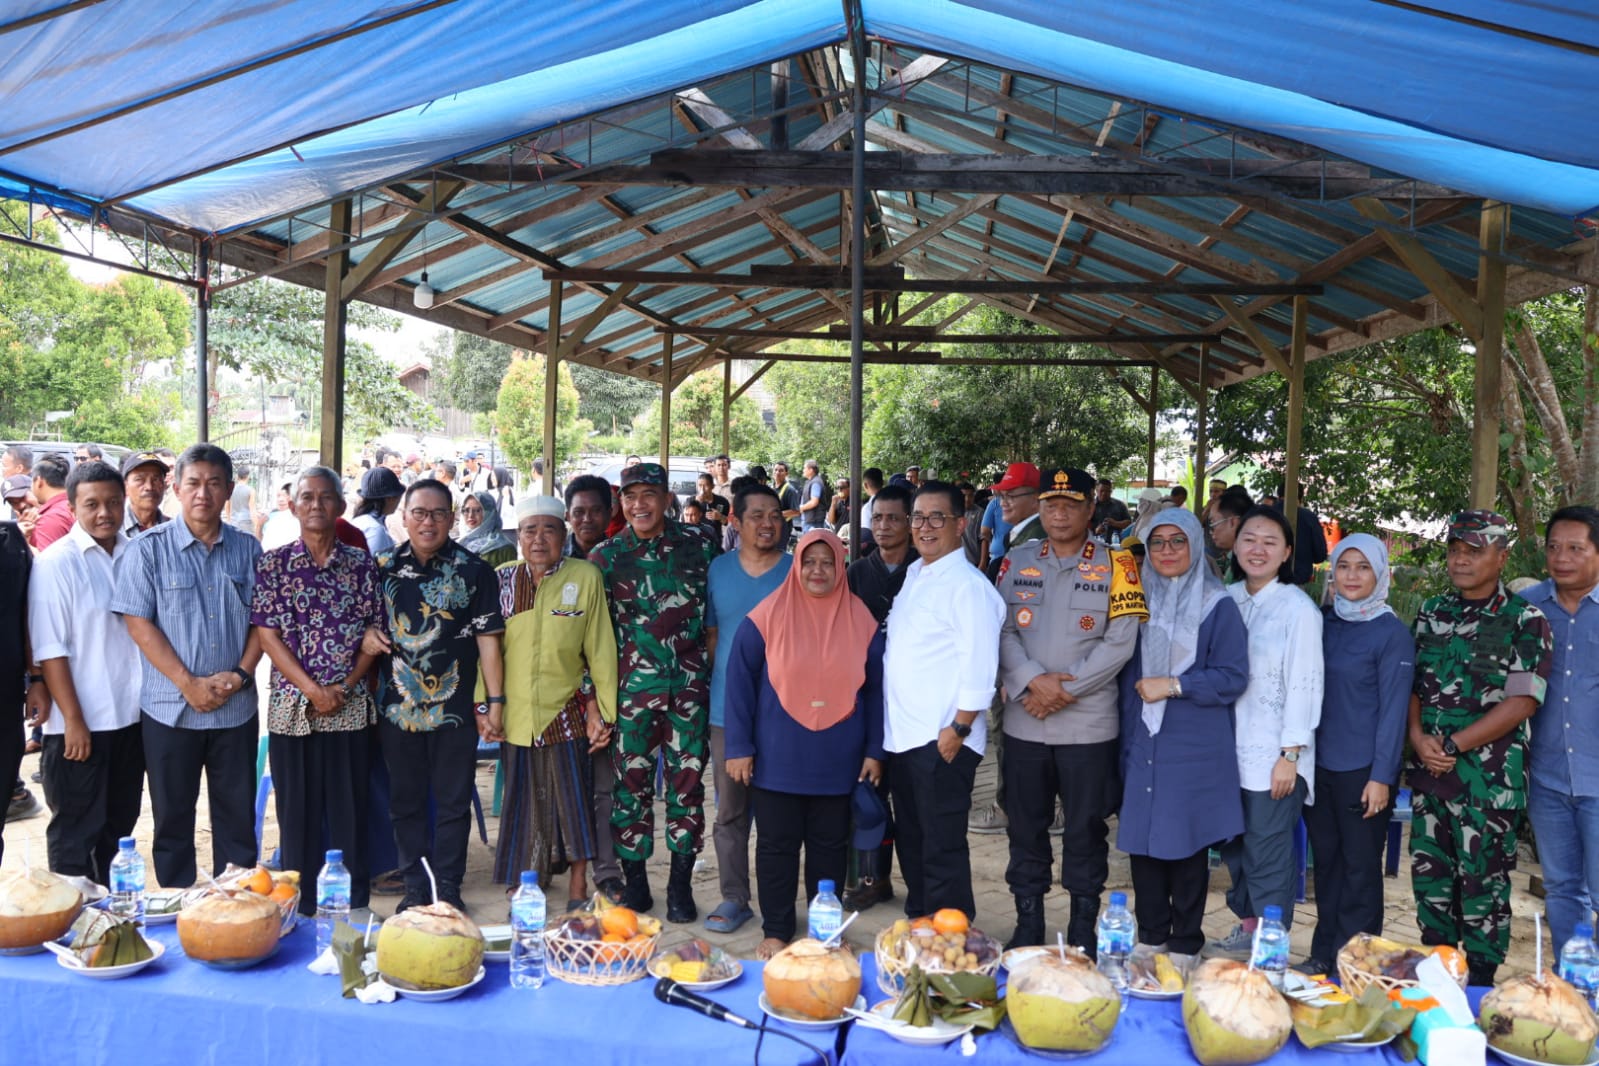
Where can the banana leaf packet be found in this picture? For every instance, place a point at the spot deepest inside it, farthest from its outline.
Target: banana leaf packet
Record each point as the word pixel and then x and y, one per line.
pixel 350 949
pixel 1370 1018
pixel 958 998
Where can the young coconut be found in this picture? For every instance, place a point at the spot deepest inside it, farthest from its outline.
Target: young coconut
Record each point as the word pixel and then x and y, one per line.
pixel 429 947
pixel 1546 1021
pixel 1062 1004
pixel 231 927
pixel 808 979
pixel 1233 1015
pixel 35 905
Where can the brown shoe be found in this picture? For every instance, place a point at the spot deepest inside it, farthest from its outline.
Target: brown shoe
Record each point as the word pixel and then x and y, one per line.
pixel 870 892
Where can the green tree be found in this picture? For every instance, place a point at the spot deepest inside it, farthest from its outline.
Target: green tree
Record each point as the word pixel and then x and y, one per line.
pixel 471 373
pixel 810 403
pixel 697 422
pixel 609 400
pixel 520 414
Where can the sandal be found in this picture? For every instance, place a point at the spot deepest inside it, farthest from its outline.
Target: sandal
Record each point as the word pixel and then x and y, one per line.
pixel 388 884
pixel 769 947
pixel 728 917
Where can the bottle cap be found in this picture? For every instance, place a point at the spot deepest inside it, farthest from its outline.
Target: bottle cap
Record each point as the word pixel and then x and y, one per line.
pixel 530 878
pixel 1585 930
pixel 824 886
pixel 127 844
pixel 1118 899
pixel 335 855
pixel 1273 913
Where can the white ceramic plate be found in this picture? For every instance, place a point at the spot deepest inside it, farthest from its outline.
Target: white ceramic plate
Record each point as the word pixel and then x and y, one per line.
pixel 1147 993
pixel 1517 1060
pixel 441 994
pixel 496 932
pixel 69 962
pixel 706 986
pixel 940 1032
pixel 795 1021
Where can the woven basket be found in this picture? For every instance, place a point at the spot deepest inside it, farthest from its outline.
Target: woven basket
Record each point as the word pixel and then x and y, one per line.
pixel 892 966
pixel 597 963
pixel 1355 980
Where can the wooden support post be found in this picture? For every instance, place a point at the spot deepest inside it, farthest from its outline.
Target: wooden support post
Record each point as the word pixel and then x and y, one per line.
pixel 335 312
pixel 727 407
pixel 1487 396
pixel 202 344
pixel 1200 459
pixel 666 404
pixel 552 382
pixel 1296 409
pixel 1154 409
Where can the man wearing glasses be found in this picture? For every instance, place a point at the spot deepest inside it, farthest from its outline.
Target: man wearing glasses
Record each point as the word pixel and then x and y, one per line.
pixel 1073 607
pixel 442 608
pixel 938 678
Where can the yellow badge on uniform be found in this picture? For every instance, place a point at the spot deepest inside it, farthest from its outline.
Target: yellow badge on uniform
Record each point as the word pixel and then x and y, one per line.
pixel 1126 592
pixel 1024 617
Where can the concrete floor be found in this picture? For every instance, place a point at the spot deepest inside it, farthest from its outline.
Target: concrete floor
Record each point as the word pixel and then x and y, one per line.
pixel 24 840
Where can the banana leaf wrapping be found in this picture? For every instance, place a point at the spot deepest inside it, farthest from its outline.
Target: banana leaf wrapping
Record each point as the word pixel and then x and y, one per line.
pixel 1370 1018
pixel 963 998
pixel 350 948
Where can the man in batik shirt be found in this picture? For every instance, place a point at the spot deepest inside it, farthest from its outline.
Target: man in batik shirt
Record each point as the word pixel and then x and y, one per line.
pixel 655 573
pixel 1482 667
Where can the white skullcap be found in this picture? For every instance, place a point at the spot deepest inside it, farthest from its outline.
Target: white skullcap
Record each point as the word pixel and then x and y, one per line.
pixel 546 506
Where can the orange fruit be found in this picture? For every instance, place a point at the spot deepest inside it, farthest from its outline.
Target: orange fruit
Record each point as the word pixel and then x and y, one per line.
pixel 283 892
pixel 950 921
pixel 620 923
pixel 258 880
pixel 922 923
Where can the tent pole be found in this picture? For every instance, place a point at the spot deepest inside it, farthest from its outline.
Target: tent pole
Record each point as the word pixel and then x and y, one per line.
pixel 552 368
pixel 1200 459
pixel 1154 409
pixel 1296 409
pixel 857 274
pixel 1487 396
pixel 335 313
pixel 666 404
pixel 202 341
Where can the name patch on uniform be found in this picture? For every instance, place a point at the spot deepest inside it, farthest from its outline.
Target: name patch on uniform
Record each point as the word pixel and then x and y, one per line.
pixel 1126 594
pixel 1086 623
pixel 1027 582
pixel 1024 617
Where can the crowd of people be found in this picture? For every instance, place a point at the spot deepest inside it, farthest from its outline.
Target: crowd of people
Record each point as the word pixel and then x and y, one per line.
pixel 1163 667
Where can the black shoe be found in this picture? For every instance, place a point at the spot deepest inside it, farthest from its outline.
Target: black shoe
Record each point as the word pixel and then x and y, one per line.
pixel 1480 973
pixel 636 894
pixel 411 899
pixel 451 894
pixel 612 889
pixel 1029 923
pixel 1081 932
pixel 680 891
pixel 870 892
pixel 1314 967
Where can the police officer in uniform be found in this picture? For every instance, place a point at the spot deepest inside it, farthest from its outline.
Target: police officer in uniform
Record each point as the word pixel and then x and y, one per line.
pixel 1073 606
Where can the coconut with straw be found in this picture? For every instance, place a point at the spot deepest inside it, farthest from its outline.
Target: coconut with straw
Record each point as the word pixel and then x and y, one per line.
pixel 431 947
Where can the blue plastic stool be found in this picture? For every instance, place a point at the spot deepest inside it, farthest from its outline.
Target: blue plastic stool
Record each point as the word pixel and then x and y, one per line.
pixel 263 789
pixel 1401 815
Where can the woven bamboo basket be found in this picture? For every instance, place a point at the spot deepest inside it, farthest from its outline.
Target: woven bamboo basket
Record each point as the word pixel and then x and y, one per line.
pixel 1355 979
pixel 597 963
pixel 892 966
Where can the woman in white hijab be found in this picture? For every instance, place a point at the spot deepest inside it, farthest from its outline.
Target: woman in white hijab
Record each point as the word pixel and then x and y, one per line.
pixel 1149 506
pixel 1179 773
pixel 1369 657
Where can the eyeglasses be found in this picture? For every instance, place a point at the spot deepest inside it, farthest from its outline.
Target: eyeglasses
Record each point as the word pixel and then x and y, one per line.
pixel 1213 523
pixel 935 520
pixel 1162 544
pixel 421 515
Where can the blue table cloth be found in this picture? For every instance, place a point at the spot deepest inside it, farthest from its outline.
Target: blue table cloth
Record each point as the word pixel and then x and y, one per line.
pixel 1150 1032
pixel 180 1012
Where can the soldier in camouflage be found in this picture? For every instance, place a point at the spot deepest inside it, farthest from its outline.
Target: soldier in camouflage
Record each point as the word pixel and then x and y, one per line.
pixel 1482 665
pixel 655 572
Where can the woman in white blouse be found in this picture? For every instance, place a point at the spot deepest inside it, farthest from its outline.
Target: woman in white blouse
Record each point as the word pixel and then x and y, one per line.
pixel 1276 723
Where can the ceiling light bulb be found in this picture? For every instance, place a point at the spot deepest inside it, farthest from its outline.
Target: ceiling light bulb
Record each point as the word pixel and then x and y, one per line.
pixel 422 295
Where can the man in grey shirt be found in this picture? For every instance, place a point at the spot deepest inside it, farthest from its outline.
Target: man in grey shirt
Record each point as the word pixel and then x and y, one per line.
pixel 184 590
pixel 1072 611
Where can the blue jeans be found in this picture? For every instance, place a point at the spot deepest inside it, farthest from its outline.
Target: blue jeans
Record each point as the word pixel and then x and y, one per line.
pixel 1567 832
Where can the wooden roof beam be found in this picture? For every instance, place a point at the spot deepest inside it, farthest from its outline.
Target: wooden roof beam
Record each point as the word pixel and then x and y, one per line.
pixel 1430 272
pixel 1252 330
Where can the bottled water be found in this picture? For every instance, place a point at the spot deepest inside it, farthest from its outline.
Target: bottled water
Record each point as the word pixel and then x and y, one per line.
pixel 1270 954
pixel 127 882
pixel 527 933
pixel 332 898
pixel 1579 962
pixel 1115 934
pixel 826 913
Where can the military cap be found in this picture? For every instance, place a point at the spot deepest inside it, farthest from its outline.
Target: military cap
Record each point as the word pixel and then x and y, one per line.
pixel 1483 529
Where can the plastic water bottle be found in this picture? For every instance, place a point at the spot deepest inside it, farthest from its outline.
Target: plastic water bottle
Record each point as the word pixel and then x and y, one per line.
pixel 1579 962
pixel 527 933
pixel 127 882
pixel 1270 952
pixel 826 913
pixel 1114 936
pixel 332 898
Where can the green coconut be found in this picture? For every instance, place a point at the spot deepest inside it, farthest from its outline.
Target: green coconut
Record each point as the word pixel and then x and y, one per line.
pixel 429 948
pixel 1062 1004
pixel 1233 1015
pixel 1546 1021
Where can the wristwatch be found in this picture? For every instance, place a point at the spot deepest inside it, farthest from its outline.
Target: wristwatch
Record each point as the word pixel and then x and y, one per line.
pixel 1291 756
pixel 1451 749
pixel 961 729
pixel 246 682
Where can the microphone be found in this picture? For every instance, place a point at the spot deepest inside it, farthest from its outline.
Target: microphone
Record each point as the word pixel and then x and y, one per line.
pixel 670 992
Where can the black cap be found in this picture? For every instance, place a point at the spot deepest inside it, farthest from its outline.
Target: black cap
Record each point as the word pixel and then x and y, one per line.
pixel 1066 481
pixel 379 483
pixel 138 459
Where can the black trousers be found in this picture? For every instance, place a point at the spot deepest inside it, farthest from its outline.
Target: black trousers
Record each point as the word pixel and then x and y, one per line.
pixel 320 783
pixel 932 799
pixel 93 803
pixel 12 739
pixel 1347 849
pixel 174 759
pixel 1169 900
pixel 786 821
pixel 1085 778
pixel 445 762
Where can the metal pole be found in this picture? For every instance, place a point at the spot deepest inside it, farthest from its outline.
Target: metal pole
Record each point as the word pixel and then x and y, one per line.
pixel 857 274
pixel 552 368
pixel 202 344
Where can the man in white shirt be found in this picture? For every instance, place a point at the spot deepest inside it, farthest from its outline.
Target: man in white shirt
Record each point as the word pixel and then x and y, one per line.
pixel 938 679
pixel 93 760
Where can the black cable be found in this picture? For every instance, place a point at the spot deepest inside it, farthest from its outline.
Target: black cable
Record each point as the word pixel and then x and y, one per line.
pixel 825 1056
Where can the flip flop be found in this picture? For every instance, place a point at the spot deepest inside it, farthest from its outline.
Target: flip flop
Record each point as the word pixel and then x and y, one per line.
pixel 728 917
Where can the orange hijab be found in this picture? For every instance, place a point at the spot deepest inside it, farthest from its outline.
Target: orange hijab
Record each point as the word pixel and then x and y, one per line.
pixel 815 645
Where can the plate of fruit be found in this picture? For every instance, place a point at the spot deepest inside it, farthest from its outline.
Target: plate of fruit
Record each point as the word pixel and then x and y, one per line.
pixel 944 942
pixel 697 964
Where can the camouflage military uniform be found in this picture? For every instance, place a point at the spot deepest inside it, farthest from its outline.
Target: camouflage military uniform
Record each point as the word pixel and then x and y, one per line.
pixel 657 592
pixel 1470 657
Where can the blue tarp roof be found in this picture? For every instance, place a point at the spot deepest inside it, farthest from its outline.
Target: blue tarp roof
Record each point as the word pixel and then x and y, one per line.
pixel 218 116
